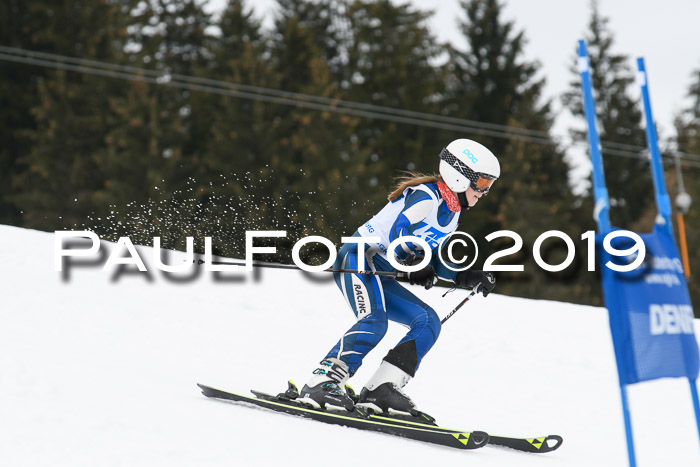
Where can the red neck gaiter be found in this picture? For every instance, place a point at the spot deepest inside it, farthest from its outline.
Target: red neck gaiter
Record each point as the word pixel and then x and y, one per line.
pixel 449 197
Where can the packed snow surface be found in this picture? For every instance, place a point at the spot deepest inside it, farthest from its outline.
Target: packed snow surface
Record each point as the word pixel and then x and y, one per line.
pixel 99 368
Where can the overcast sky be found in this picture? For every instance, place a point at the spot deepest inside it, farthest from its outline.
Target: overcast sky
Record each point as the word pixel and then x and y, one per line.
pixel 666 33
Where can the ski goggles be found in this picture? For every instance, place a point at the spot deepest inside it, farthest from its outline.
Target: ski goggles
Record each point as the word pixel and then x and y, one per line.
pixel 480 182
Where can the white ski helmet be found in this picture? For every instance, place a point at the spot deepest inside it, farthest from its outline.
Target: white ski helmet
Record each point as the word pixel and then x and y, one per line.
pixel 465 162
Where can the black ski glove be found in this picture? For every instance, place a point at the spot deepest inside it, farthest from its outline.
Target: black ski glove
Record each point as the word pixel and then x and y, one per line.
pixel 471 278
pixel 425 277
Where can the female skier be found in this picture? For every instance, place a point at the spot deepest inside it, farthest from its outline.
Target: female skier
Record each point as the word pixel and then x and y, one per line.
pixel 427 207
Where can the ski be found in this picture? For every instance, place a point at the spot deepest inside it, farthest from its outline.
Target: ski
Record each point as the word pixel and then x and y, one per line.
pixel 540 444
pixel 358 419
pixel 536 445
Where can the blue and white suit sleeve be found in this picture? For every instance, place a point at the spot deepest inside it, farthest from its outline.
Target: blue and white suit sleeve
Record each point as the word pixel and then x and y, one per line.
pixel 417 206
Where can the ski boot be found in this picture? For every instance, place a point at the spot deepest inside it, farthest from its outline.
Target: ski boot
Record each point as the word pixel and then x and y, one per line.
pixel 325 388
pixel 382 395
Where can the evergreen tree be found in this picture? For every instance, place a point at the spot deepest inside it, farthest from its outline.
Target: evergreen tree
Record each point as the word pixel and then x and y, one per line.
pixel 390 54
pixel 59 174
pixel 688 140
pixel 155 133
pixel 390 50
pixel 236 125
pixel 367 52
pixel 237 131
pixel 304 148
pixel 620 122
pixel 491 82
pixel 17 97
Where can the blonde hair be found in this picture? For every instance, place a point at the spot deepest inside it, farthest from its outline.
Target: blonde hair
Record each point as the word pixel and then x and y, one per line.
pixel 410 179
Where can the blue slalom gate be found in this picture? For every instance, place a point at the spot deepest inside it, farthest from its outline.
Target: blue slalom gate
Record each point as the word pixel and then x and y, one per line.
pixel 651 316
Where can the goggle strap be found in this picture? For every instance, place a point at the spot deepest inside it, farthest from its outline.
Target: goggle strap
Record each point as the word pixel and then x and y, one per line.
pixel 465 171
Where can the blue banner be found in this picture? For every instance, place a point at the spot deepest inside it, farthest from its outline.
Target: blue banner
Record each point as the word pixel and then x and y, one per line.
pixel 651 316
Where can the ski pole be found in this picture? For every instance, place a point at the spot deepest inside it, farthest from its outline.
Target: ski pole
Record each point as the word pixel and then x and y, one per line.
pixel 290 266
pixel 449 315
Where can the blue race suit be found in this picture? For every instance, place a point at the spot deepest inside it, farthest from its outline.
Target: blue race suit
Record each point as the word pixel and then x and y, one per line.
pixel 374 300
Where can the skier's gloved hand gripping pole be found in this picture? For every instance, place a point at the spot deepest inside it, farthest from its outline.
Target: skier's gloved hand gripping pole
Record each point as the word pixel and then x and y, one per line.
pixel 480 281
pixel 427 277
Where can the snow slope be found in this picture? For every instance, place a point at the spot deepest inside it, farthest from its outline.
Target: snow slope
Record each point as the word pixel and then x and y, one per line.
pixel 100 369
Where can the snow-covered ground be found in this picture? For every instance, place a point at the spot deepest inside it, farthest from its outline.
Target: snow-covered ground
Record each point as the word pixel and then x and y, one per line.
pixel 100 369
